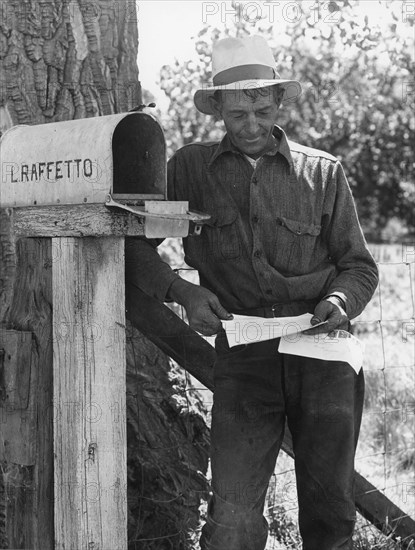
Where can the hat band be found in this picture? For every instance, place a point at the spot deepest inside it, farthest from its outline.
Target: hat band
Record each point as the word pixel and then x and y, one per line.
pixel 244 72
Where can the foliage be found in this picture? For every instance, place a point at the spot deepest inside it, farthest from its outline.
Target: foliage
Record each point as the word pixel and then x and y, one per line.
pixel 368 537
pixel 356 101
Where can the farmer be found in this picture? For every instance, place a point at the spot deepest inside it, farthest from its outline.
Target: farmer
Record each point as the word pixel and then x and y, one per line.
pixel 283 239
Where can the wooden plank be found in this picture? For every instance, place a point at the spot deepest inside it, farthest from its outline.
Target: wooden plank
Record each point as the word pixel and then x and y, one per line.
pixel 17 346
pixel 8 264
pixel 83 220
pixel 27 452
pixel 172 335
pixel 18 398
pixel 383 513
pixel 89 386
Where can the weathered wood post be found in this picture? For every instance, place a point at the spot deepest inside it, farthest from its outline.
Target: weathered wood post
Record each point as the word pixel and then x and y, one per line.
pixel 89 429
pixel 86 335
pixel 60 185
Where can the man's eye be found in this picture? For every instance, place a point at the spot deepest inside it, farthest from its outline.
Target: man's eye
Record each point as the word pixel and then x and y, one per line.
pixel 263 113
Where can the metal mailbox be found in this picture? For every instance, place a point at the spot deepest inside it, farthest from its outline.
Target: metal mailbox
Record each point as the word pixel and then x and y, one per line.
pixel 116 160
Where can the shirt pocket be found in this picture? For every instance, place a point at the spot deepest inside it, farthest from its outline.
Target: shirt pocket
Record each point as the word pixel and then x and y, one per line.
pixel 295 245
pixel 220 236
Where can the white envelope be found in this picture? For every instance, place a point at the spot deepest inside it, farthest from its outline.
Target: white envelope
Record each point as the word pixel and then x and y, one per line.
pixel 243 329
pixel 339 345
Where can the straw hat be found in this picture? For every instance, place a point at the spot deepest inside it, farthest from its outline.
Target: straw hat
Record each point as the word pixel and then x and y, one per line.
pixel 240 64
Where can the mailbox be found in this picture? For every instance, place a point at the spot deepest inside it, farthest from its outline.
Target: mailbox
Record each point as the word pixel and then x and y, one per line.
pixel 116 160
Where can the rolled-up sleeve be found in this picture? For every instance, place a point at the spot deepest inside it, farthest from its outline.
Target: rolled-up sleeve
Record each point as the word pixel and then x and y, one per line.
pixel 145 269
pixel 357 277
pixel 143 265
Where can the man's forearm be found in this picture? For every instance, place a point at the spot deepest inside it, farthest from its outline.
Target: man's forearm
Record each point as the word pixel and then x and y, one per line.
pixel 145 269
pixel 357 271
pixel 179 290
pixel 355 286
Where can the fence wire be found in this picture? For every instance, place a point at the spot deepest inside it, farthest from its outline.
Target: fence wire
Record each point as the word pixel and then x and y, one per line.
pixel 386 450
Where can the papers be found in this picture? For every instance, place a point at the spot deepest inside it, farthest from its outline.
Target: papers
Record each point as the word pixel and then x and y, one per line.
pixel 243 329
pixel 340 345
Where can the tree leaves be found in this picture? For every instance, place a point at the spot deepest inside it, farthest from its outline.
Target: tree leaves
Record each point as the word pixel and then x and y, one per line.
pixel 357 101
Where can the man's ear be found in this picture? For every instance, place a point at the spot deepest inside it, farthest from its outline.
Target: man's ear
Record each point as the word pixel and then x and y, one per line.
pixel 215 107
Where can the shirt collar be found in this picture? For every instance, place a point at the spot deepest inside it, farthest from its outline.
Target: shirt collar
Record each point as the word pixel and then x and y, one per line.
pixel 284 149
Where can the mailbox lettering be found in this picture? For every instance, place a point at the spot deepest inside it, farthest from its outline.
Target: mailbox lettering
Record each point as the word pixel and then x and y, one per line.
pixel 49 169
pixel 58 170
pixel 25 172
pixel 68 166
pixel 52 170
pixel 88 172
pixel 41 167
pixel 34 173
pixel 9 169
pixel 13 180
pixel 78 161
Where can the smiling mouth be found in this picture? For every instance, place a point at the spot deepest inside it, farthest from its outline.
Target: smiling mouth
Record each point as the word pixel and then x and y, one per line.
pixel 254 140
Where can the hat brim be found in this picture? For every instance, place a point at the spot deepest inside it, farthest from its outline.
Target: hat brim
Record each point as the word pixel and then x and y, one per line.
pixel 201 98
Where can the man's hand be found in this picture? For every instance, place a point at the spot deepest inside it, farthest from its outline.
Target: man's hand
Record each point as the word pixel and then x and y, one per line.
pixel 204 311
pixel 330 309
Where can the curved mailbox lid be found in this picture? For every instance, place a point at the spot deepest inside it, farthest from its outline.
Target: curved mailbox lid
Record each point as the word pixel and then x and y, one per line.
pixel 72 162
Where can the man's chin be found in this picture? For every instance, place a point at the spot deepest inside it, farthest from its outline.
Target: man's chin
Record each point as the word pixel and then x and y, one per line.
pixel 254 148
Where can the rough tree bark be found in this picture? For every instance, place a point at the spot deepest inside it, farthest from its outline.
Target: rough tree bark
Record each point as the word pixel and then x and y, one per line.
pixel 62 60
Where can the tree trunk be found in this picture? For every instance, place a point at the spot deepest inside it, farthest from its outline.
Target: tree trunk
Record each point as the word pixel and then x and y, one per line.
pixel 62 60
pixel 67 60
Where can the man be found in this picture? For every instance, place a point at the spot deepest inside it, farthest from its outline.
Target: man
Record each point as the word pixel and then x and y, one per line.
pixel 283 240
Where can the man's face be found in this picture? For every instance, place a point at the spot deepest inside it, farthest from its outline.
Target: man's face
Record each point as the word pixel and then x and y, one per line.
pixel 249 122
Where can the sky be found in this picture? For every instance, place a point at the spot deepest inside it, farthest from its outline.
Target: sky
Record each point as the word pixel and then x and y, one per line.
pixel 166 27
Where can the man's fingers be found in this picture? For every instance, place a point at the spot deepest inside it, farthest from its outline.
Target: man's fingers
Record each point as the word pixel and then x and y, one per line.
pixel 207 326
pixel 320 315
pixel 322 329
pixel 315 320
pixel 205 312
pixel 327 311
pixel 219 310
pixel 322 312
pixel 206 321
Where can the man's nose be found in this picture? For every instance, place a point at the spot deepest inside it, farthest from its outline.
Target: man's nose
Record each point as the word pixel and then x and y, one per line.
pixel 252 124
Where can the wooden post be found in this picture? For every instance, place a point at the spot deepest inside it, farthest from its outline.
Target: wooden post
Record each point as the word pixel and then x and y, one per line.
pixel 26 449
pixel 90 445
pixel 70 294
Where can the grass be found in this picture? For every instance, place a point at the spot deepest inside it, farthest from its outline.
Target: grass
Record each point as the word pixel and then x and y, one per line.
pixel 368 537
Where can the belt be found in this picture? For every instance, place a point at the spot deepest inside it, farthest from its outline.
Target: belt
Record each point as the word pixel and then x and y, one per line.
pixel 280 309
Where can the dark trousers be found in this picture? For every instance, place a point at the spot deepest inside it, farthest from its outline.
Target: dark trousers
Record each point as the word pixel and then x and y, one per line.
pixel 256 390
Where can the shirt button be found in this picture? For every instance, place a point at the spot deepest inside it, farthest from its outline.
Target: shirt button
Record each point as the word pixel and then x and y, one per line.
pixel 255 219
pixel 268 291
pixel 257 253
pixel 254 180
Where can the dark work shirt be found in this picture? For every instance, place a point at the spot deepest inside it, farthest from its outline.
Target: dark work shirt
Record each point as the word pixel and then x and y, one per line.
pixel 282 232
